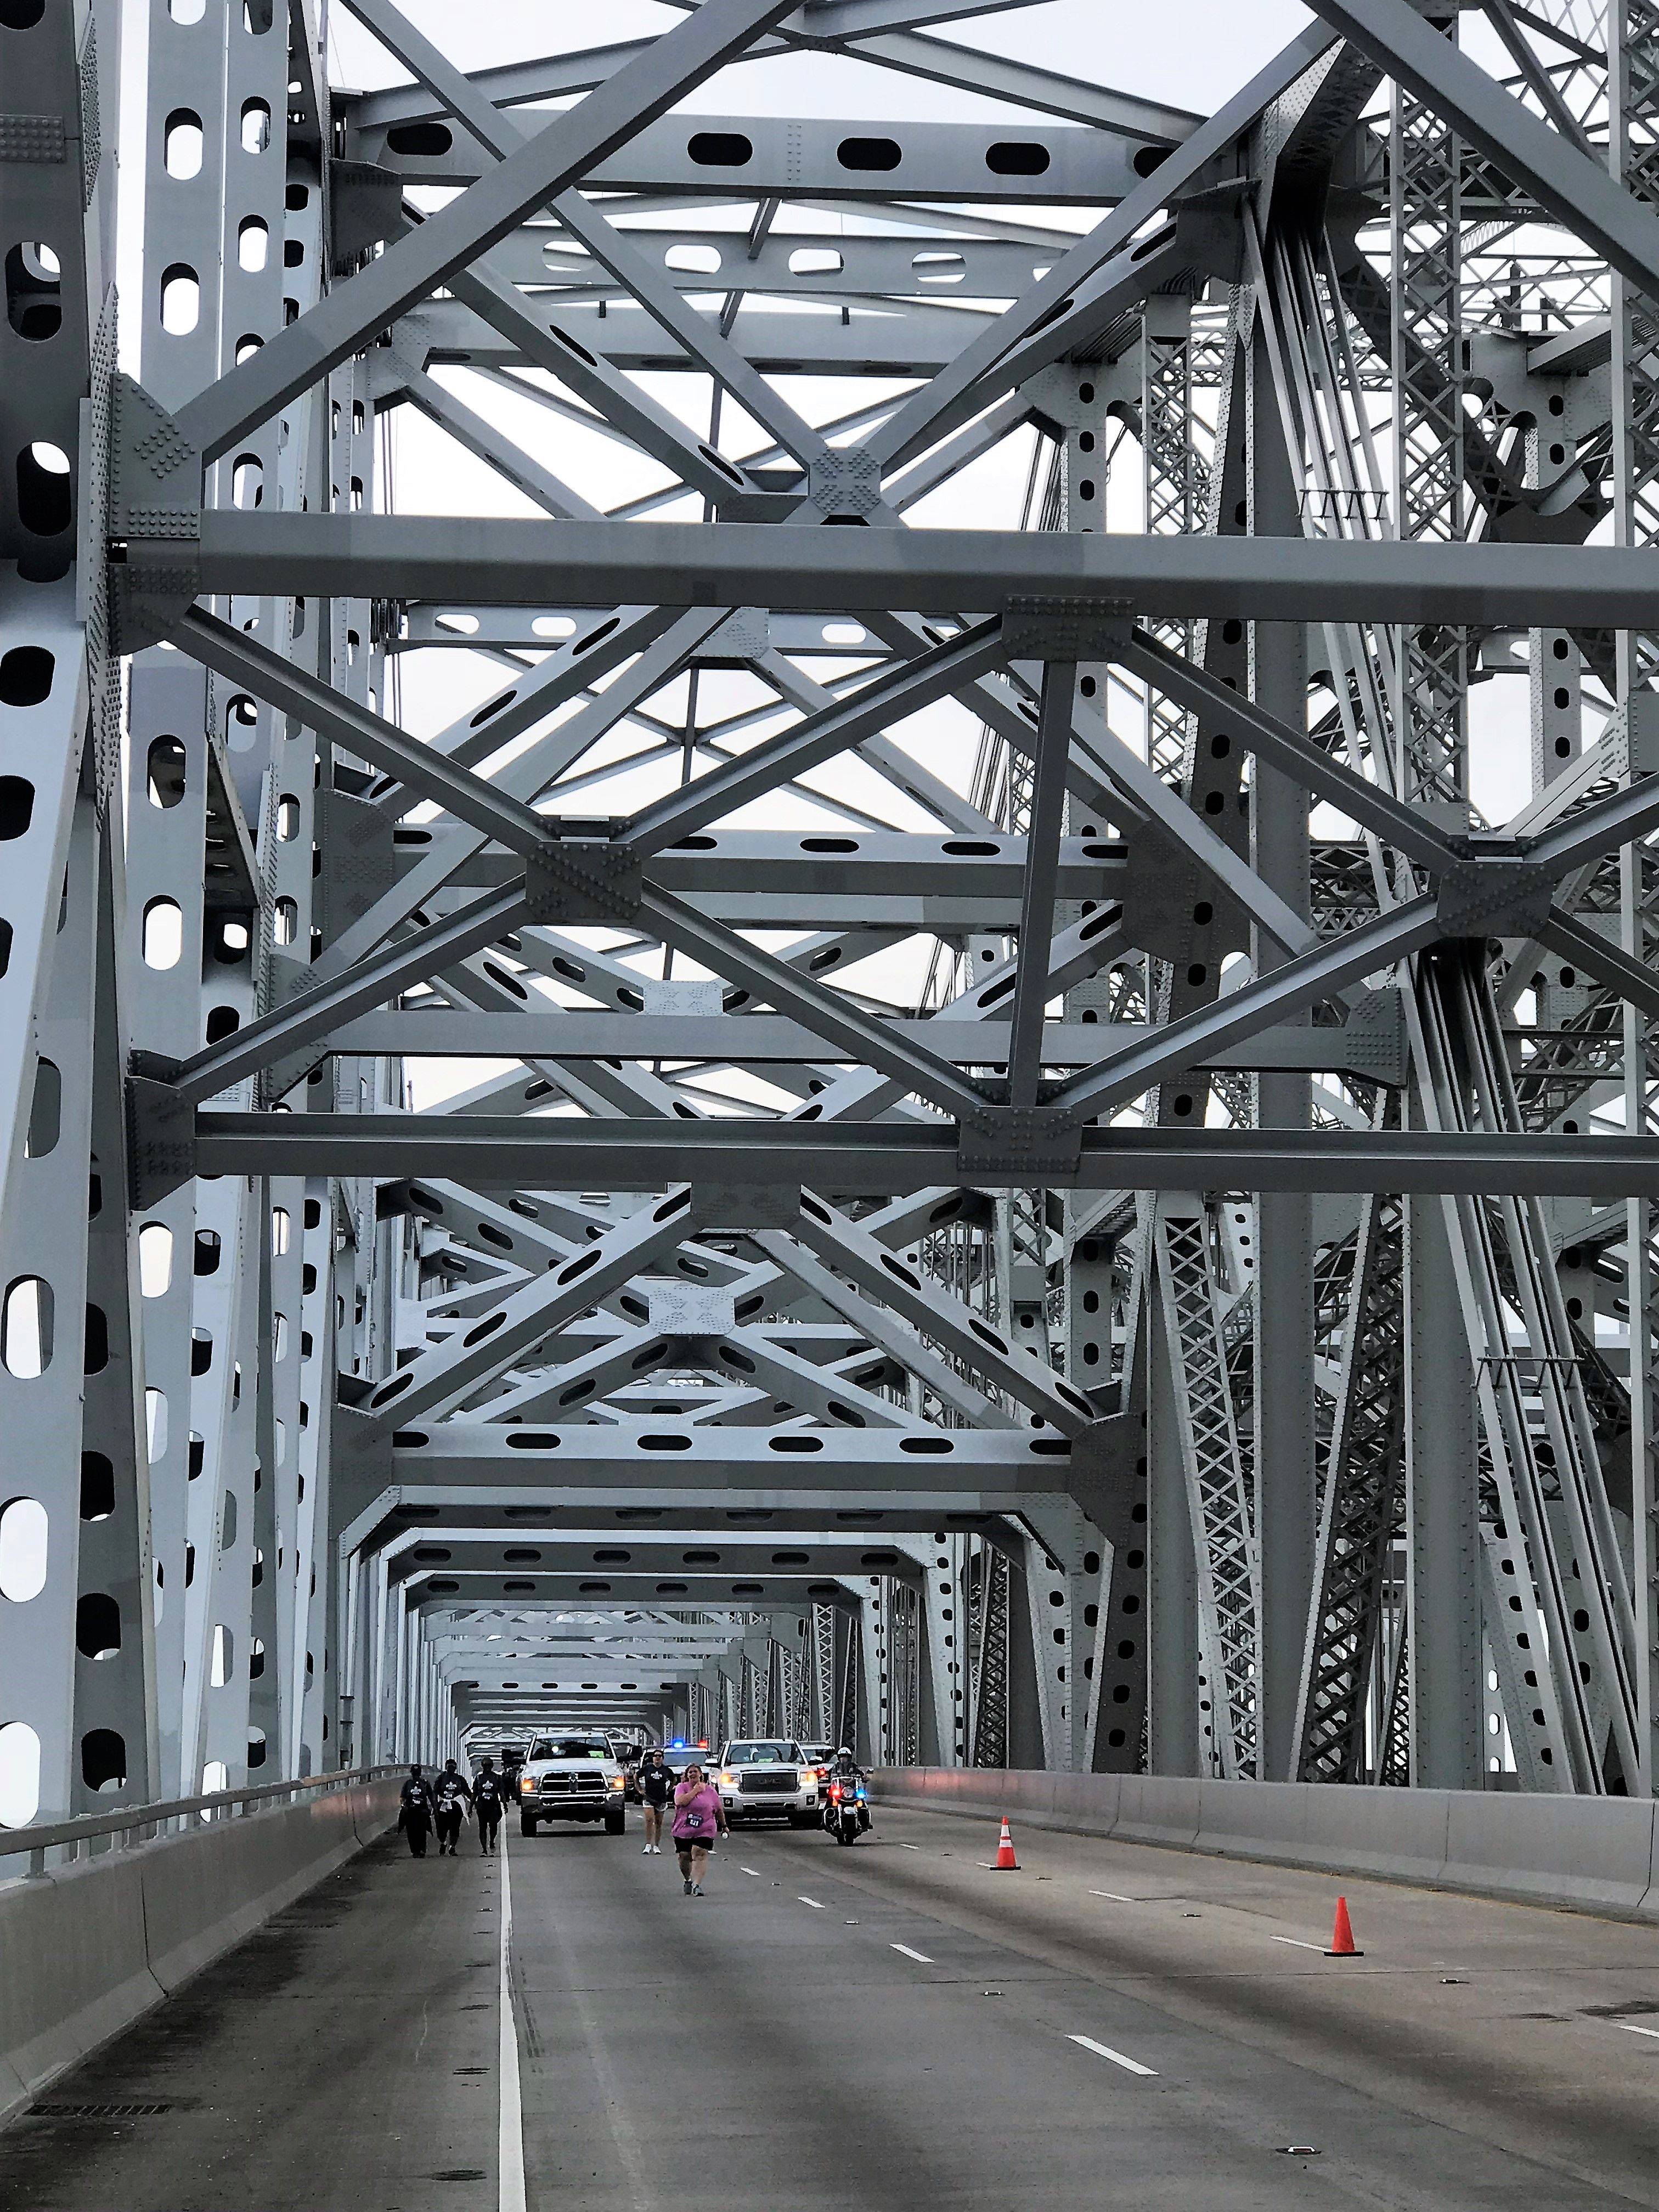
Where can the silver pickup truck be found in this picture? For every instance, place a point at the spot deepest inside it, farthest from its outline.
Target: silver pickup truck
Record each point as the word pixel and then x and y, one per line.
pixel 572 1777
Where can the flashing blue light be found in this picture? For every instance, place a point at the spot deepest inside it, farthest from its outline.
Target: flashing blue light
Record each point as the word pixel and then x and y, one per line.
pixel 678 1744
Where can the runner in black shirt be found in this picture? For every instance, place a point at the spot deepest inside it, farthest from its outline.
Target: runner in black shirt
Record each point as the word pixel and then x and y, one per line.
pixel 415 1817
pixel 654 1781
pixel 489 1803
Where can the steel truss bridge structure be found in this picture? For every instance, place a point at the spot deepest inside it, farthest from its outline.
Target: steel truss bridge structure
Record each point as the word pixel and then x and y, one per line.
pixel 1046 1186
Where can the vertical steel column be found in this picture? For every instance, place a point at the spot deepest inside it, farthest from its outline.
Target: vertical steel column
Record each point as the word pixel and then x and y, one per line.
pixel 874 1747
pixel 1443 1582
pixel 1284 1409
pixel 944 1662
pixel 1173 1692
pixel 168 797
pixel 1360 1507
pixel 824 1709
pixel 1065 1576
pixel 58 771
pixel 1176 481
pixel 115 1696
pixel 988 1586
pixel 1425 159
pixel 1223 1543
pixel 47 1333
pixel 1633 58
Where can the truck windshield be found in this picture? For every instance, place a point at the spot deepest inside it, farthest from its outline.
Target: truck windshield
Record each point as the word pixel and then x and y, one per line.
pixel 761 1754
pixel 570 1746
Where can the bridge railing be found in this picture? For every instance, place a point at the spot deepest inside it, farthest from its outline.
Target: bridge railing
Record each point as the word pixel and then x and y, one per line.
pixel 124 1826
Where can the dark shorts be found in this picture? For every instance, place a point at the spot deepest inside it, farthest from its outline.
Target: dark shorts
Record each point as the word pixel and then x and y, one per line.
pixel 699 1843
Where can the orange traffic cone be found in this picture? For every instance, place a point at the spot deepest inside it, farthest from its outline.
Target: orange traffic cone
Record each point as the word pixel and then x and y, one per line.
pixel 1005 1861
pixel 1342 1943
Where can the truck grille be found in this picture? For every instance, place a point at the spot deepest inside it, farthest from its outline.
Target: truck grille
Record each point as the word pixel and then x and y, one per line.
pixel 571 1785
pixel 768 1785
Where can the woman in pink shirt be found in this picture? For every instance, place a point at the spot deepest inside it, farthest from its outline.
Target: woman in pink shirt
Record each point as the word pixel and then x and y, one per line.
pixel 697 1814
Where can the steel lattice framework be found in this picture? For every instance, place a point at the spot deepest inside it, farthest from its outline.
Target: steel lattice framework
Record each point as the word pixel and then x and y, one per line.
pixel 1060 1164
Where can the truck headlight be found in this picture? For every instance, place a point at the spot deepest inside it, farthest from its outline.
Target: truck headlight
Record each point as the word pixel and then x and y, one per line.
pixel 616 1781
pixel 526 1785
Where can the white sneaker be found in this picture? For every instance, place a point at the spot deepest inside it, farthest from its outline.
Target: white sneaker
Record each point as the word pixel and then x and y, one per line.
pixel 646 1853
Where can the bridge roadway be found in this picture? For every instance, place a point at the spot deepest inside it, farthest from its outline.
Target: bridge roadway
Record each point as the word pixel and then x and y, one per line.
pixel 889 2026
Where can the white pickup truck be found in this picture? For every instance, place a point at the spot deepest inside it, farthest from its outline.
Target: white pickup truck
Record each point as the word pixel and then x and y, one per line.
pixel 767 1780
pixel 572 1777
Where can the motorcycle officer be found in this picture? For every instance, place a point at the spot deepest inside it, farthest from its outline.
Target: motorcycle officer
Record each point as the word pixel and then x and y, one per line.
pixel 845 1769
pixel 415 1818
pixel 452 1794
pixel 489 1803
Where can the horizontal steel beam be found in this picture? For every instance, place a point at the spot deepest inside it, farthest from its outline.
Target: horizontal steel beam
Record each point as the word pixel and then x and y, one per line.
pixel 492 1152
pixel 749 156
pixel 755 1039
pixel 416 1508
pixel 513 1557
pixel 917 342
pixel 528 1590
pixel 734 564
pixel 684 1457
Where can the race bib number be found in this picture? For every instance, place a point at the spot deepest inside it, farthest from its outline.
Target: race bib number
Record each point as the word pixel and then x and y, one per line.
pixel 694 1820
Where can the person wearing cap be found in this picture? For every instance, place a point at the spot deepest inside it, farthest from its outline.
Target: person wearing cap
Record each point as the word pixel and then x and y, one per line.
pixel 654 1780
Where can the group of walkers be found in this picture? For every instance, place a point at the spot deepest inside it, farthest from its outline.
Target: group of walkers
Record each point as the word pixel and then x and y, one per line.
pixel 444 1803
pixel 698 1814
pixel 691 1799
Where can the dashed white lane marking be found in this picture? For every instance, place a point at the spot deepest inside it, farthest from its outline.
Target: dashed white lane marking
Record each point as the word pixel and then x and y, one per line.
pixel 1631 2030
pixel 755 1871
pixel 812 1901
pixel 1116 1896
pixel 909 1847
pixel 1117 2058
pixel 920 1957
pixel 509 2155
pixel 1298 1943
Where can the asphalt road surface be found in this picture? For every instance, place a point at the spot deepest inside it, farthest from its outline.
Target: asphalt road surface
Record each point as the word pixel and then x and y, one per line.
pixel 891 2026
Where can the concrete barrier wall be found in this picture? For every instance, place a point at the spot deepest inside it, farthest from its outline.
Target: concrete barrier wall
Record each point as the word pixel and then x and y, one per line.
pixel 1587 1854
pixel 85 1949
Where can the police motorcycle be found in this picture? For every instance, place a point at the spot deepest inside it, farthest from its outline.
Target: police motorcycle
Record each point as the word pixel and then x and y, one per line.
pixel 847 1802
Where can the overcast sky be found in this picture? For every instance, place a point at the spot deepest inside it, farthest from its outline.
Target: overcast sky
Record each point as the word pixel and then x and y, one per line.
pixel 1191 52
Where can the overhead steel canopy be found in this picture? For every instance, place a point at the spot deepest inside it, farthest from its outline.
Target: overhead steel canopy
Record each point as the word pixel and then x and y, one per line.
pixel 829 925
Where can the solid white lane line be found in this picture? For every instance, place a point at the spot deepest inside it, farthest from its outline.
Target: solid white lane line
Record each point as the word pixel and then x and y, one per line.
pixel 1116 1896
pixel 920 1957
pixel 1299 1942
pixel 812 1901
pixel 1630 2030
pixel 509 2154
pixel 1105 2051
